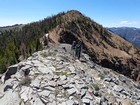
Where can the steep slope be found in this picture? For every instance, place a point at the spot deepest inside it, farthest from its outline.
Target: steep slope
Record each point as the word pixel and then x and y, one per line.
pixel 53 77
pixel 105 48
pixel 129 33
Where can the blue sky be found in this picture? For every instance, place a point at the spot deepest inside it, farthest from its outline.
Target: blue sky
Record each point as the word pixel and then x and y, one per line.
pixel 109 13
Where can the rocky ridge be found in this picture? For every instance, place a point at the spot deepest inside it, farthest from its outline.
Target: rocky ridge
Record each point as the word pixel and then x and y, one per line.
pixel 104 47
pixel 53 77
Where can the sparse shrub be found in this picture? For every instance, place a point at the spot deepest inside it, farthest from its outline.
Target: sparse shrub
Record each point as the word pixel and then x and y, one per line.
pixel 111 94
pixel 106 72
pixel 61 73
pixel 95 86
pixel 101 75
pixel 25 82
pixel 46 54
pixel 56 50
pixel 116 58
pixel 57 91
pixel 21 100
pixel 64 57
pixel 66 94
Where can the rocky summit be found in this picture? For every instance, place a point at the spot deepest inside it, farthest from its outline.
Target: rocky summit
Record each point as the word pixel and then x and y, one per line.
pixel 54 77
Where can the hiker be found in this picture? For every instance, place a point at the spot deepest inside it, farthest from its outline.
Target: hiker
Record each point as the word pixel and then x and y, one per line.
pixel 78 49
pixel 73 48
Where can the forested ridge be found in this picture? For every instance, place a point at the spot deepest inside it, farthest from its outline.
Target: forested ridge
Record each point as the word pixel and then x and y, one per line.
pixel 24 41
pixel 104 47
pixel 21 41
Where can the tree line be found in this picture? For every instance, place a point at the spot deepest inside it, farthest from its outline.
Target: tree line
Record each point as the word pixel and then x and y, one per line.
pixel 18 42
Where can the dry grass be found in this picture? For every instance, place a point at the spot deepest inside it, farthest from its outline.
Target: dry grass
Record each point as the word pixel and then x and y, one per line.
pixel 95 86
pixel 46 54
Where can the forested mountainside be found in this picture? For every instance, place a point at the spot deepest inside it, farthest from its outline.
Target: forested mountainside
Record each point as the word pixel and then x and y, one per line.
pixel 130 33
pixel 23 41
pixel 104 47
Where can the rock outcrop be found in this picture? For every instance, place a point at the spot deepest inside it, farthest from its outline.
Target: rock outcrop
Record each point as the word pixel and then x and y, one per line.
pixel 53 77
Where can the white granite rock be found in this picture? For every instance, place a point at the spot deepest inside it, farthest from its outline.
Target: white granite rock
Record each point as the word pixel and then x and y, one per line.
pixel 25 93
pixel 61 80
pixel 63 77
pixel 72 91
pixel 70 102
pixel 44 93
pixel 10 98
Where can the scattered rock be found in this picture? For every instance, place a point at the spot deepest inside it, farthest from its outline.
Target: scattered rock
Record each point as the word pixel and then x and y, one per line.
pixel 44 93
pixel 72 91
pixel 70 102
pixel 96 93
pixel 86 101
pixel 118 88
pixel 126 102
pixel 63 77
pixel 59 80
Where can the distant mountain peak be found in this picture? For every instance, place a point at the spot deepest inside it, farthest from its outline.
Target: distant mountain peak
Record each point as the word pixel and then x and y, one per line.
pixel 132 34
